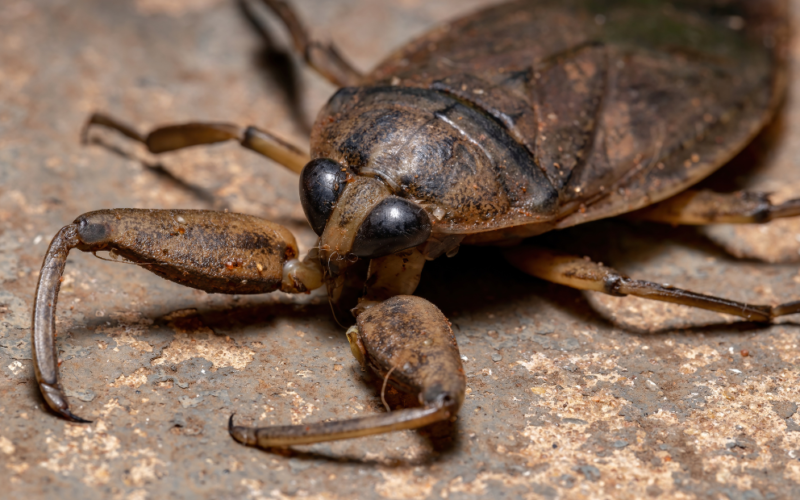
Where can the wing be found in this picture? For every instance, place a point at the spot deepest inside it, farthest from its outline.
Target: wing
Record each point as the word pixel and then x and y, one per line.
pixel 621 103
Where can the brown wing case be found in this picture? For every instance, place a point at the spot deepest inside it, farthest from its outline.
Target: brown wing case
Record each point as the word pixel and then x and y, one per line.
pixel 620 103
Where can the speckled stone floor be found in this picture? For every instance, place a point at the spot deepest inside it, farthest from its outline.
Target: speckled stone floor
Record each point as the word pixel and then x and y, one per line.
pixel 571 395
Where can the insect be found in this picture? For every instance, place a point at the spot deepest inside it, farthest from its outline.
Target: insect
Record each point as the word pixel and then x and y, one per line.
pixel 527 117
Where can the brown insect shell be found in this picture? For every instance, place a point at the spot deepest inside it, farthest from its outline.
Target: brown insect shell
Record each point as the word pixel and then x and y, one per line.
pixel 212 251
pixel 410 337
pixel 617 104
pixel 432 148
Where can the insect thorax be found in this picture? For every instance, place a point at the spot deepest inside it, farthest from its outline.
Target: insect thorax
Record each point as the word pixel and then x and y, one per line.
pixel 444 154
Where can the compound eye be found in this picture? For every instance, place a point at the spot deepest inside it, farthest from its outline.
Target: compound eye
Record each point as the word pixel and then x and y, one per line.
pixel 393 225
pixel 321 182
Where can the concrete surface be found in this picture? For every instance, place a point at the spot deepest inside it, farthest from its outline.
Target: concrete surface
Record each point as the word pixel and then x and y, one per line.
pixel 570 395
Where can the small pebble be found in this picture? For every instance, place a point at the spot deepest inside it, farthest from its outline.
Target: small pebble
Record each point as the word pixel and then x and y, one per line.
pixel 620 444
pixel 496 357
pixel 744 353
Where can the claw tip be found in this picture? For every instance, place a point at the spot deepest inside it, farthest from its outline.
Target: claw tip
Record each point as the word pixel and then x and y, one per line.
pixel 74 418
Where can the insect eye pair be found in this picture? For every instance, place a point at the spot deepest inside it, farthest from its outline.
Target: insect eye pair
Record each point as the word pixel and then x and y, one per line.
pixel 393 225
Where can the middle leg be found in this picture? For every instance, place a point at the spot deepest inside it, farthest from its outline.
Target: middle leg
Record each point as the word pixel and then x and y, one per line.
pixel 184 135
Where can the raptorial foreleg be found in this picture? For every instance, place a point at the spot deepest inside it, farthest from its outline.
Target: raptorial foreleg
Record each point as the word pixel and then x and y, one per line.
pixel 213 251
pixel 405 340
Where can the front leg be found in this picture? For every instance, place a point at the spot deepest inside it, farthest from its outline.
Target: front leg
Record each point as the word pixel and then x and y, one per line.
pixel 212 251
pixel 406 341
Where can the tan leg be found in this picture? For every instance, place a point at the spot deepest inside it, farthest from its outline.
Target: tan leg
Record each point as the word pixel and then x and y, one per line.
pixel 324 58
pixel 395 274
pixel 172 137
pixel 707 207
pixel 583 274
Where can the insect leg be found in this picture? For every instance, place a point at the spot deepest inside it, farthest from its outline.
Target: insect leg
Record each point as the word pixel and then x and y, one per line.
pixel 395 274
pixel 212 251
pixel 324 58
pixel 695 207
pixel 184 135
pixel 406 340
pixel 583 274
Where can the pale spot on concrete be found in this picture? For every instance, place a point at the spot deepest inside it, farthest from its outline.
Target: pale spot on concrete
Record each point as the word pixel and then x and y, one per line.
pixel 696 357
pixel 664 417
pixel 255 492
pixel 6 446
pixel 146 469
pixel 140 494
pixel 193 339
pixel 131 326
pixel 276 494
pixel 774 241
pixel 18 468
pixel 404 484
pixel 300 409
pixel 85 448
pixel 457 485
pixel 254 487
pixel 173 7
pixel 792 471
pixel 134 380
pixel 15 367
pixel 96 474
pixel 22 202
pixel 109 407
pixel 538 362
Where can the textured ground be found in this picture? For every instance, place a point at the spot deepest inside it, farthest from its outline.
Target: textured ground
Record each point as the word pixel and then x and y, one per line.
pixel 570 395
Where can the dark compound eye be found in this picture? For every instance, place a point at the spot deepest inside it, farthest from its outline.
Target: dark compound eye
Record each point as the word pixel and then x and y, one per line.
pixel 393 225
pixel 321 183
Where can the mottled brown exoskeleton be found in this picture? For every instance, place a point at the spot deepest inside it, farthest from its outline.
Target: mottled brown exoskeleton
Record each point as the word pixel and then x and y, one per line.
pixel 526 117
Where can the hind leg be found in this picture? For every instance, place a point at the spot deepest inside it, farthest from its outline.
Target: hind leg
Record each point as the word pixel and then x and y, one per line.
pixel 695 207
pixel 322 57
pixel 583 274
